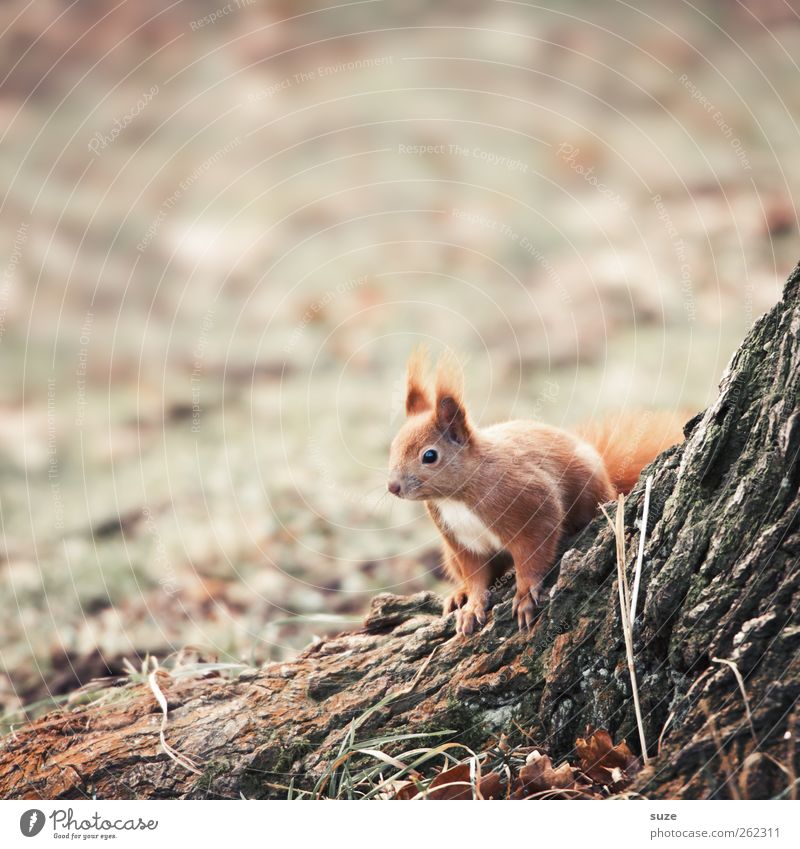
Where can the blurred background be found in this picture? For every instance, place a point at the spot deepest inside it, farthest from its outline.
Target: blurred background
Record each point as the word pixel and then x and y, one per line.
pixel 224 227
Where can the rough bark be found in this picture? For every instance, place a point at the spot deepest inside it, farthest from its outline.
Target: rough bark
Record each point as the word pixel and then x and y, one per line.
pixel 720 581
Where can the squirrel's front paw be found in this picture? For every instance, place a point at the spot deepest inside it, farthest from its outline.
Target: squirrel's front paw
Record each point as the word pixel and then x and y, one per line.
pixel 524 606
pixel 454 601
pixel 472 616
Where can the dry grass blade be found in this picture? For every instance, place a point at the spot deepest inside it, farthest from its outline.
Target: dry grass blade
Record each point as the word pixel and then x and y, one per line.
pixel 664 731
pixel 176 756
pixel 428 755
pixel 619 538
pixel 618 528
pixel 648 484
pixel 387 759
pixel 740 682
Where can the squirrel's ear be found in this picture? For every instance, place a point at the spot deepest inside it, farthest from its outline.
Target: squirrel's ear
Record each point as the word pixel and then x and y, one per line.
pixel 417 398
pixel 451 418
pixel 451 415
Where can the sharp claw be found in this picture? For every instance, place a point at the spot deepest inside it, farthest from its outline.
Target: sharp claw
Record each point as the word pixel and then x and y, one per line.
pixel 472 617
pixel 524 608
pixel 454 602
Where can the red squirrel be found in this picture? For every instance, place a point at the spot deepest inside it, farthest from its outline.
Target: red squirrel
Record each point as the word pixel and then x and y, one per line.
pixel 517 488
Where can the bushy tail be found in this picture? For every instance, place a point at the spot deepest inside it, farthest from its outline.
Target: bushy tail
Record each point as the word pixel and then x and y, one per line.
pixel 629 441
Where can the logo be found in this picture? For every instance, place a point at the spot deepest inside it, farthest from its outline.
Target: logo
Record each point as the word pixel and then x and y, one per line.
pixel 31 822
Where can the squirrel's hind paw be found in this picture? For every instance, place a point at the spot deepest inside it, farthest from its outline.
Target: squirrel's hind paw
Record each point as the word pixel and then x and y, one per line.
pixel 454 601
pixel 524 607
pixel 472 616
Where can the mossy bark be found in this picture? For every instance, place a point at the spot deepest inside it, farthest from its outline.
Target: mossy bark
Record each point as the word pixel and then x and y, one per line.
pixel 720 583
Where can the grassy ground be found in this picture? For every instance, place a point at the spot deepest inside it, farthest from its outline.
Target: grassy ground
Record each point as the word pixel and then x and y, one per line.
pixel 204 314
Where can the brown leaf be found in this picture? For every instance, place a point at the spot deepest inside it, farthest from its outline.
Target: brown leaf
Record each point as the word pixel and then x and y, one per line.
pixel 603 762
pixel 457 778
pixel 492 787
pixel 538 775
pixel 407 790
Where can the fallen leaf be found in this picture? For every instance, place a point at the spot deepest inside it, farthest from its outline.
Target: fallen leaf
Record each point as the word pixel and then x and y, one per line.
pixel 455 783
pixel 538 775
pixel 492 787
pixel 603 762
pixel 452 784
pixel 406 791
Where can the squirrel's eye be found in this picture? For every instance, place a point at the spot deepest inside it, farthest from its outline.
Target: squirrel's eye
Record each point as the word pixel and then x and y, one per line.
pixel 430 456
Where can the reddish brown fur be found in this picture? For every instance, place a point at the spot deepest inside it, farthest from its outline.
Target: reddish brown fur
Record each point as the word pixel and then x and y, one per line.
pixel 628 442
pixel 516 488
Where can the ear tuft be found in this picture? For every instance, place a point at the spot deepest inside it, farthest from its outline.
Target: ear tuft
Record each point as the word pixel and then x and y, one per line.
pixel 451 414
pixel 417 398
pixel 449 376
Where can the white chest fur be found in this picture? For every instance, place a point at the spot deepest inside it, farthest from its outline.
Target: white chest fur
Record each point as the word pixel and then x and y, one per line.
pixel 467 527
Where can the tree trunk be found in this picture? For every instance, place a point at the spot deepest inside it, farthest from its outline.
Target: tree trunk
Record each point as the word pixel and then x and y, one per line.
pixel 720 582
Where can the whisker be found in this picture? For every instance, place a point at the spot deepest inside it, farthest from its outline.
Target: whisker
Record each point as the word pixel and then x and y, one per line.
pixel 377 486
pixel 380 502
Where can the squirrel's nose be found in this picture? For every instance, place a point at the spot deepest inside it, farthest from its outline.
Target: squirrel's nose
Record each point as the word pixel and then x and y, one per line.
pixel 394 487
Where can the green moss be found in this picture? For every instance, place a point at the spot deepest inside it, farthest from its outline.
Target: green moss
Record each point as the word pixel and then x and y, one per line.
pixel 205 783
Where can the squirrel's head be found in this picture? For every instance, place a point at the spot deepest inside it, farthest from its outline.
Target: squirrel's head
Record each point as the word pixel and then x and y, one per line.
pixel 432 455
